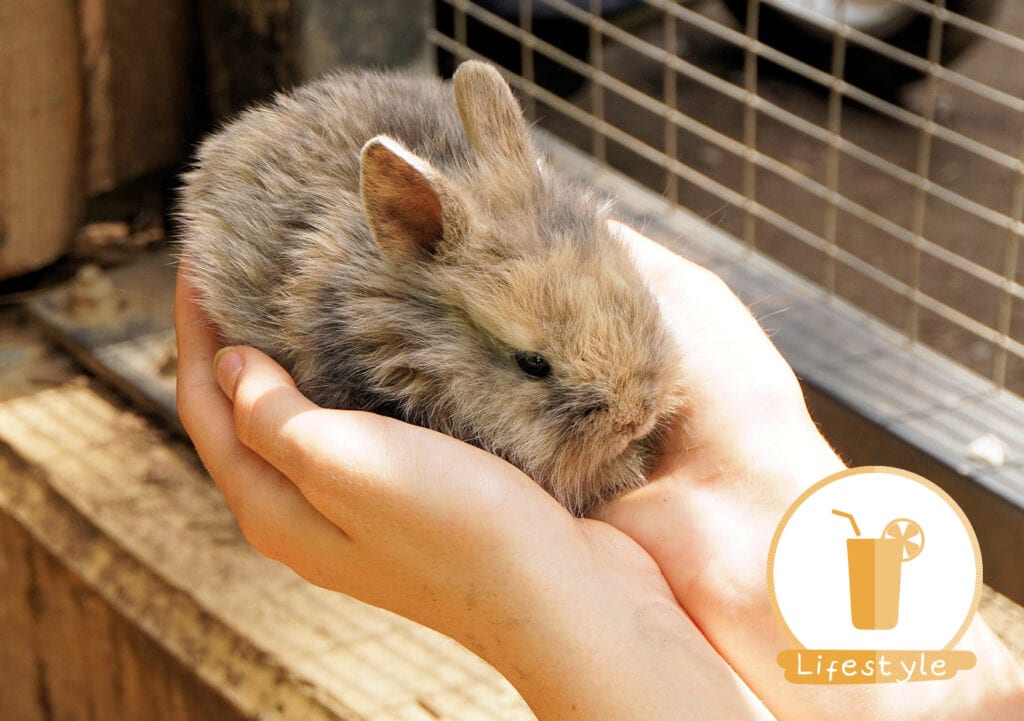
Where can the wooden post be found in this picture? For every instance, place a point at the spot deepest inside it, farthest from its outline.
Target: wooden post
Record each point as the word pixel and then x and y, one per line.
pixel 135 69
pixel 40 131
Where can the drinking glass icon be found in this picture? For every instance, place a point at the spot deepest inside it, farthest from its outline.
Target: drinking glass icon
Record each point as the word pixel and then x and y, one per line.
pixel 875 566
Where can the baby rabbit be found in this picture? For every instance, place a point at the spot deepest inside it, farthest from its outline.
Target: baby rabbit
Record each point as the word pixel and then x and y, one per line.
pixel 402 253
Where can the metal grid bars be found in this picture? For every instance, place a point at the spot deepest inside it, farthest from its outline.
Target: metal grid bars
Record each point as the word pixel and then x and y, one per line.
pixel 876 147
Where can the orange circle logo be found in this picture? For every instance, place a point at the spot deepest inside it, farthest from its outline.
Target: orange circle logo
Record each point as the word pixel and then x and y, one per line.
pixel 875 573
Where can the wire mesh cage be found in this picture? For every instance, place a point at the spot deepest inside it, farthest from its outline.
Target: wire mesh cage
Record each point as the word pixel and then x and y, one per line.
pixel 875 147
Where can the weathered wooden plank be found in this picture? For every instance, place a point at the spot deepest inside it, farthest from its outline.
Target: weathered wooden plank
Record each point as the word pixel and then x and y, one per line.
pixel 40 129
pixel 71 643
pixel 132 349
pixel 135 518
pixel 1006 618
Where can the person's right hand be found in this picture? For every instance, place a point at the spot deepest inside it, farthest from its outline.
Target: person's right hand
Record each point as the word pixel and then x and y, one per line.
pixel 744 449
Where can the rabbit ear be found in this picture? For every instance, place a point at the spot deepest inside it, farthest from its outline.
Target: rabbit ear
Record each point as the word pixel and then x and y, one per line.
pixel 493 119
pixel 406 201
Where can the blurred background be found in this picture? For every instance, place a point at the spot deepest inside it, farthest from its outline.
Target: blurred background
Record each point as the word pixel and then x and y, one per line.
pixel 871 149
pixel 872 146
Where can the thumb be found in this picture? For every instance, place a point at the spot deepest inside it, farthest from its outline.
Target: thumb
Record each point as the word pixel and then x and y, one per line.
pixel 331 456
pixel 264 397
pixel 342 461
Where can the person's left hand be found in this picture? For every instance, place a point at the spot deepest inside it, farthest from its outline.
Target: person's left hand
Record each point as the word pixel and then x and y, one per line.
pixel 574 613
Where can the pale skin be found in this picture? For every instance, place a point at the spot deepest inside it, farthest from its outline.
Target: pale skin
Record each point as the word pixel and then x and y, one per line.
pixel 656 608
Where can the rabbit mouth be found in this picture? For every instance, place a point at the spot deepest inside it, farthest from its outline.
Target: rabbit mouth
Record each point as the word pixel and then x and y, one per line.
pixel 581 476
pixel 615 447
pixel 624 436
pixel 609 457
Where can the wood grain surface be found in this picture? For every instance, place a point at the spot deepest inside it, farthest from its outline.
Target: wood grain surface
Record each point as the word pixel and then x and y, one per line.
pixel 127 579
pixel 40 132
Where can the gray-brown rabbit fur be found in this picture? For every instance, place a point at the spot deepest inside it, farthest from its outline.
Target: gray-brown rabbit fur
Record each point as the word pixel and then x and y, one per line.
pixel 403 251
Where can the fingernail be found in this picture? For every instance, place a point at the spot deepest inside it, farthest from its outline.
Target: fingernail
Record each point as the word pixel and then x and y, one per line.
pixel 227 364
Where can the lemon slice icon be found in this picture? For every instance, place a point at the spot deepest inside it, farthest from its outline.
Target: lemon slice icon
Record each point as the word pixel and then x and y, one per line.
pixel 909 534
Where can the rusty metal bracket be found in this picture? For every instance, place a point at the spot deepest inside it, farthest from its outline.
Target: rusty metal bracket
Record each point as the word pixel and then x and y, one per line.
pixel 118 323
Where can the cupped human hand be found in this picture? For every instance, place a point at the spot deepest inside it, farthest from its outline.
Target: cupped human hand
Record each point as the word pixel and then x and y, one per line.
pixel 741 452
pixel 574 612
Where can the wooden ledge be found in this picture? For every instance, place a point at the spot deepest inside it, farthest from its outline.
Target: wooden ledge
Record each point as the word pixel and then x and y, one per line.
pixel 129 592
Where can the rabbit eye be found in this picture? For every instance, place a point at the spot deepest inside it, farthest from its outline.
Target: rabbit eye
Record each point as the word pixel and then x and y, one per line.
pixel 533 364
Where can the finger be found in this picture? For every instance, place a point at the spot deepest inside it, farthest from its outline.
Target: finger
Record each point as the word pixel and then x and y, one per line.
pixel 273 515
pixel 207 414
pixel 197 396
pixel 268 409
pixel 274 422
pixel 279 522
pixel 705 313
pixel 204 411
pixel 202 407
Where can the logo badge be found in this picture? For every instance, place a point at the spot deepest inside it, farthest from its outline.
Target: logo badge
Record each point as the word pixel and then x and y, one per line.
pixel 875 573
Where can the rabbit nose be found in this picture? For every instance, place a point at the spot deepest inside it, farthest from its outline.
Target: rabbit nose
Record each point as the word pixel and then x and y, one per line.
pixel 634 420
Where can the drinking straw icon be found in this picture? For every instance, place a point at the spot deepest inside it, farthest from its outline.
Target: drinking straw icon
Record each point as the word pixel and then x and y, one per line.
pixel 853 521
pixel 874 566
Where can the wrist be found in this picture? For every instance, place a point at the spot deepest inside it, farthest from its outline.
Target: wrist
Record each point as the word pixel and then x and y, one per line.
pixel 708 520
pixel 602 637
pixel 620 656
